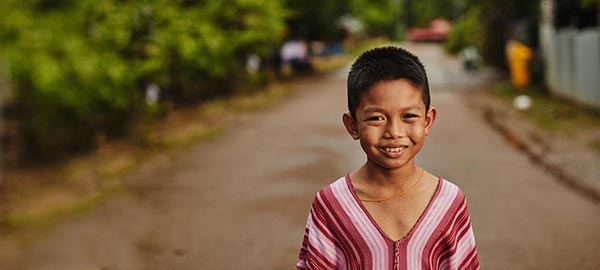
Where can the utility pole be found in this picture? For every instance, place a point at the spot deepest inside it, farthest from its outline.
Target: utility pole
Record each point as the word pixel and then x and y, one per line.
pixel 2 95
pixel 402 17
pixel 546 24
pixel 5 95
pixel 398 18
pixel 406 14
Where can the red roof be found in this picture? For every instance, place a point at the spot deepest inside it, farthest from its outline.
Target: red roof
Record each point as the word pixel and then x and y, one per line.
pixel 437 30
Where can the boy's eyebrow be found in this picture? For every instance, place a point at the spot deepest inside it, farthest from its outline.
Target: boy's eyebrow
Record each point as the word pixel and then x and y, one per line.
pixel 373 109
pixel 379 109
pixel 412 107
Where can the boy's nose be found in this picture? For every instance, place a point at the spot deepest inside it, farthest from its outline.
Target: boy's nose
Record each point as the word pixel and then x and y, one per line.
pixel 394 130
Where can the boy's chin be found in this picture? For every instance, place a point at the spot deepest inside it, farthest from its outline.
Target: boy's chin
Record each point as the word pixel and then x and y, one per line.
pixel 388 166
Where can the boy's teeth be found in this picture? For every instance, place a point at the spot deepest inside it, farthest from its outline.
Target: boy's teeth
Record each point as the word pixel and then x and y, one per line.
pixel 394 149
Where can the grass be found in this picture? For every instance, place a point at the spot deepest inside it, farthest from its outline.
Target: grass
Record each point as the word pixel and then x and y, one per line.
pixel 58 207
pixel 551 113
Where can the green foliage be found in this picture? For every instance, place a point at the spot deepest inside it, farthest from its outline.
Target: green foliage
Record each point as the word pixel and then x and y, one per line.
pixel 423 11
pixel 588 3
pixel 316 19
pixel 497 18
pixel 466 31
pixel 319 20
pixel 79 68
pixel 380 17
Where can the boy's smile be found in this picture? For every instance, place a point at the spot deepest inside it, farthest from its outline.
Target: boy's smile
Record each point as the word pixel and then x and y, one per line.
pixel 393 150
pixel 391 123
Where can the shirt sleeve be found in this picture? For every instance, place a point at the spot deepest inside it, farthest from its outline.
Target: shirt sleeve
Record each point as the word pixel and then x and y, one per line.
pixel 464 254
pixel 319 249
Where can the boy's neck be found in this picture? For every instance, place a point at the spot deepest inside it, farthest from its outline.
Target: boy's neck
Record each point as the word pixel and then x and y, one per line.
pixel 375 175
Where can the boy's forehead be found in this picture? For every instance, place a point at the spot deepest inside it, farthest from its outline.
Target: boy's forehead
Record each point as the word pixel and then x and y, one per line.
pixel 401 89
pixel 401 92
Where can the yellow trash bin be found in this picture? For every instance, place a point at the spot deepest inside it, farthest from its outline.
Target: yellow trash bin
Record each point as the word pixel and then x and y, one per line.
pixel 518 61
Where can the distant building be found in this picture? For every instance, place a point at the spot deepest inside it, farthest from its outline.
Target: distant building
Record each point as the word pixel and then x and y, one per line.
pixel 437 30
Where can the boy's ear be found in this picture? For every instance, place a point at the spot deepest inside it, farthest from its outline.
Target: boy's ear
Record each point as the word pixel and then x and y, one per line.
pixel 429 119
pixel 350 125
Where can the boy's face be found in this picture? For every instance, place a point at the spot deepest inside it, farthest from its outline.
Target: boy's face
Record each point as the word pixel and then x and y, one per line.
pixel 391 123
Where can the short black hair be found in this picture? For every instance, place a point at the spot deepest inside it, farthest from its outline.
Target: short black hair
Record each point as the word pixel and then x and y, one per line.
pixel 385 64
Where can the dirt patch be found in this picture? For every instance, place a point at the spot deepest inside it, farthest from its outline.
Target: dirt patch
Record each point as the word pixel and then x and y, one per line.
pixel 47 193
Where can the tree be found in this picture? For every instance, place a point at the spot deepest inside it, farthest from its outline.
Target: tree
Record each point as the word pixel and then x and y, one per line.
pixel 79 68
pixel 499 18
pixel 423 11
pixel 380 17
pixel 316 19
pixel 319 20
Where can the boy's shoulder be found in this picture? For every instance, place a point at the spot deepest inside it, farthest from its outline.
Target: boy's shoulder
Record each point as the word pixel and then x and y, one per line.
pixel 448 187
pixel 340 185
pixel 334 192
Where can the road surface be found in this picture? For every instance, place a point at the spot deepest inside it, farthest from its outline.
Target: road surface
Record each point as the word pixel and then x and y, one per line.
pixel 240 201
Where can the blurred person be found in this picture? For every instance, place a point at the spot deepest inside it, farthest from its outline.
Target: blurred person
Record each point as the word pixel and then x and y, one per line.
pixel 294 53
pixel 518 55
pixel 389 213
pixel 470 59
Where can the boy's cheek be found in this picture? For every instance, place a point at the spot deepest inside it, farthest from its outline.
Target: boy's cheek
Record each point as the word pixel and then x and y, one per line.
pixel 368 131
pixel 417 131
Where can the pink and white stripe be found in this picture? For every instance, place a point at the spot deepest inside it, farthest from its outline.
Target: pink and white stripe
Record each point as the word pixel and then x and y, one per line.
pixel 341 234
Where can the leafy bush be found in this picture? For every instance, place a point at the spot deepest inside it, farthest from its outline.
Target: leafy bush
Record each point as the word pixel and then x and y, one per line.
pixel 378 16
pixel 466 31
pixel 320 20
pixel 422 12
pixel 79 68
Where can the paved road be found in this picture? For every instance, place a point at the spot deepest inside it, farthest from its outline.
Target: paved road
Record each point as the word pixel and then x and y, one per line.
pixel 240 201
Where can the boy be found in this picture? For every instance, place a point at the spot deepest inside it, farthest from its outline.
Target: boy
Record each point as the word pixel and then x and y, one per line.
pixel 389 213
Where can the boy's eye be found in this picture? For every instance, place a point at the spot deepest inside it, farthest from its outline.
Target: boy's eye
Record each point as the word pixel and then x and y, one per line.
pixel 375 118
pixel 408 116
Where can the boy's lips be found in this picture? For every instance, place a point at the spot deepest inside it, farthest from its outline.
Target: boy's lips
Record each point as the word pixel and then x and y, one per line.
pixel 393 150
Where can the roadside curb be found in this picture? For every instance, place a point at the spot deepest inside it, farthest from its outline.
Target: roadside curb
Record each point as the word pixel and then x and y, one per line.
pixel 570 162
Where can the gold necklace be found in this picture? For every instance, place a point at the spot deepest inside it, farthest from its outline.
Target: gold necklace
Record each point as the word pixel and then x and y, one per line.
pixel 399 193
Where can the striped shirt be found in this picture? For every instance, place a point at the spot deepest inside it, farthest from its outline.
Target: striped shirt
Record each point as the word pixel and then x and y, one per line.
pixel 341 234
